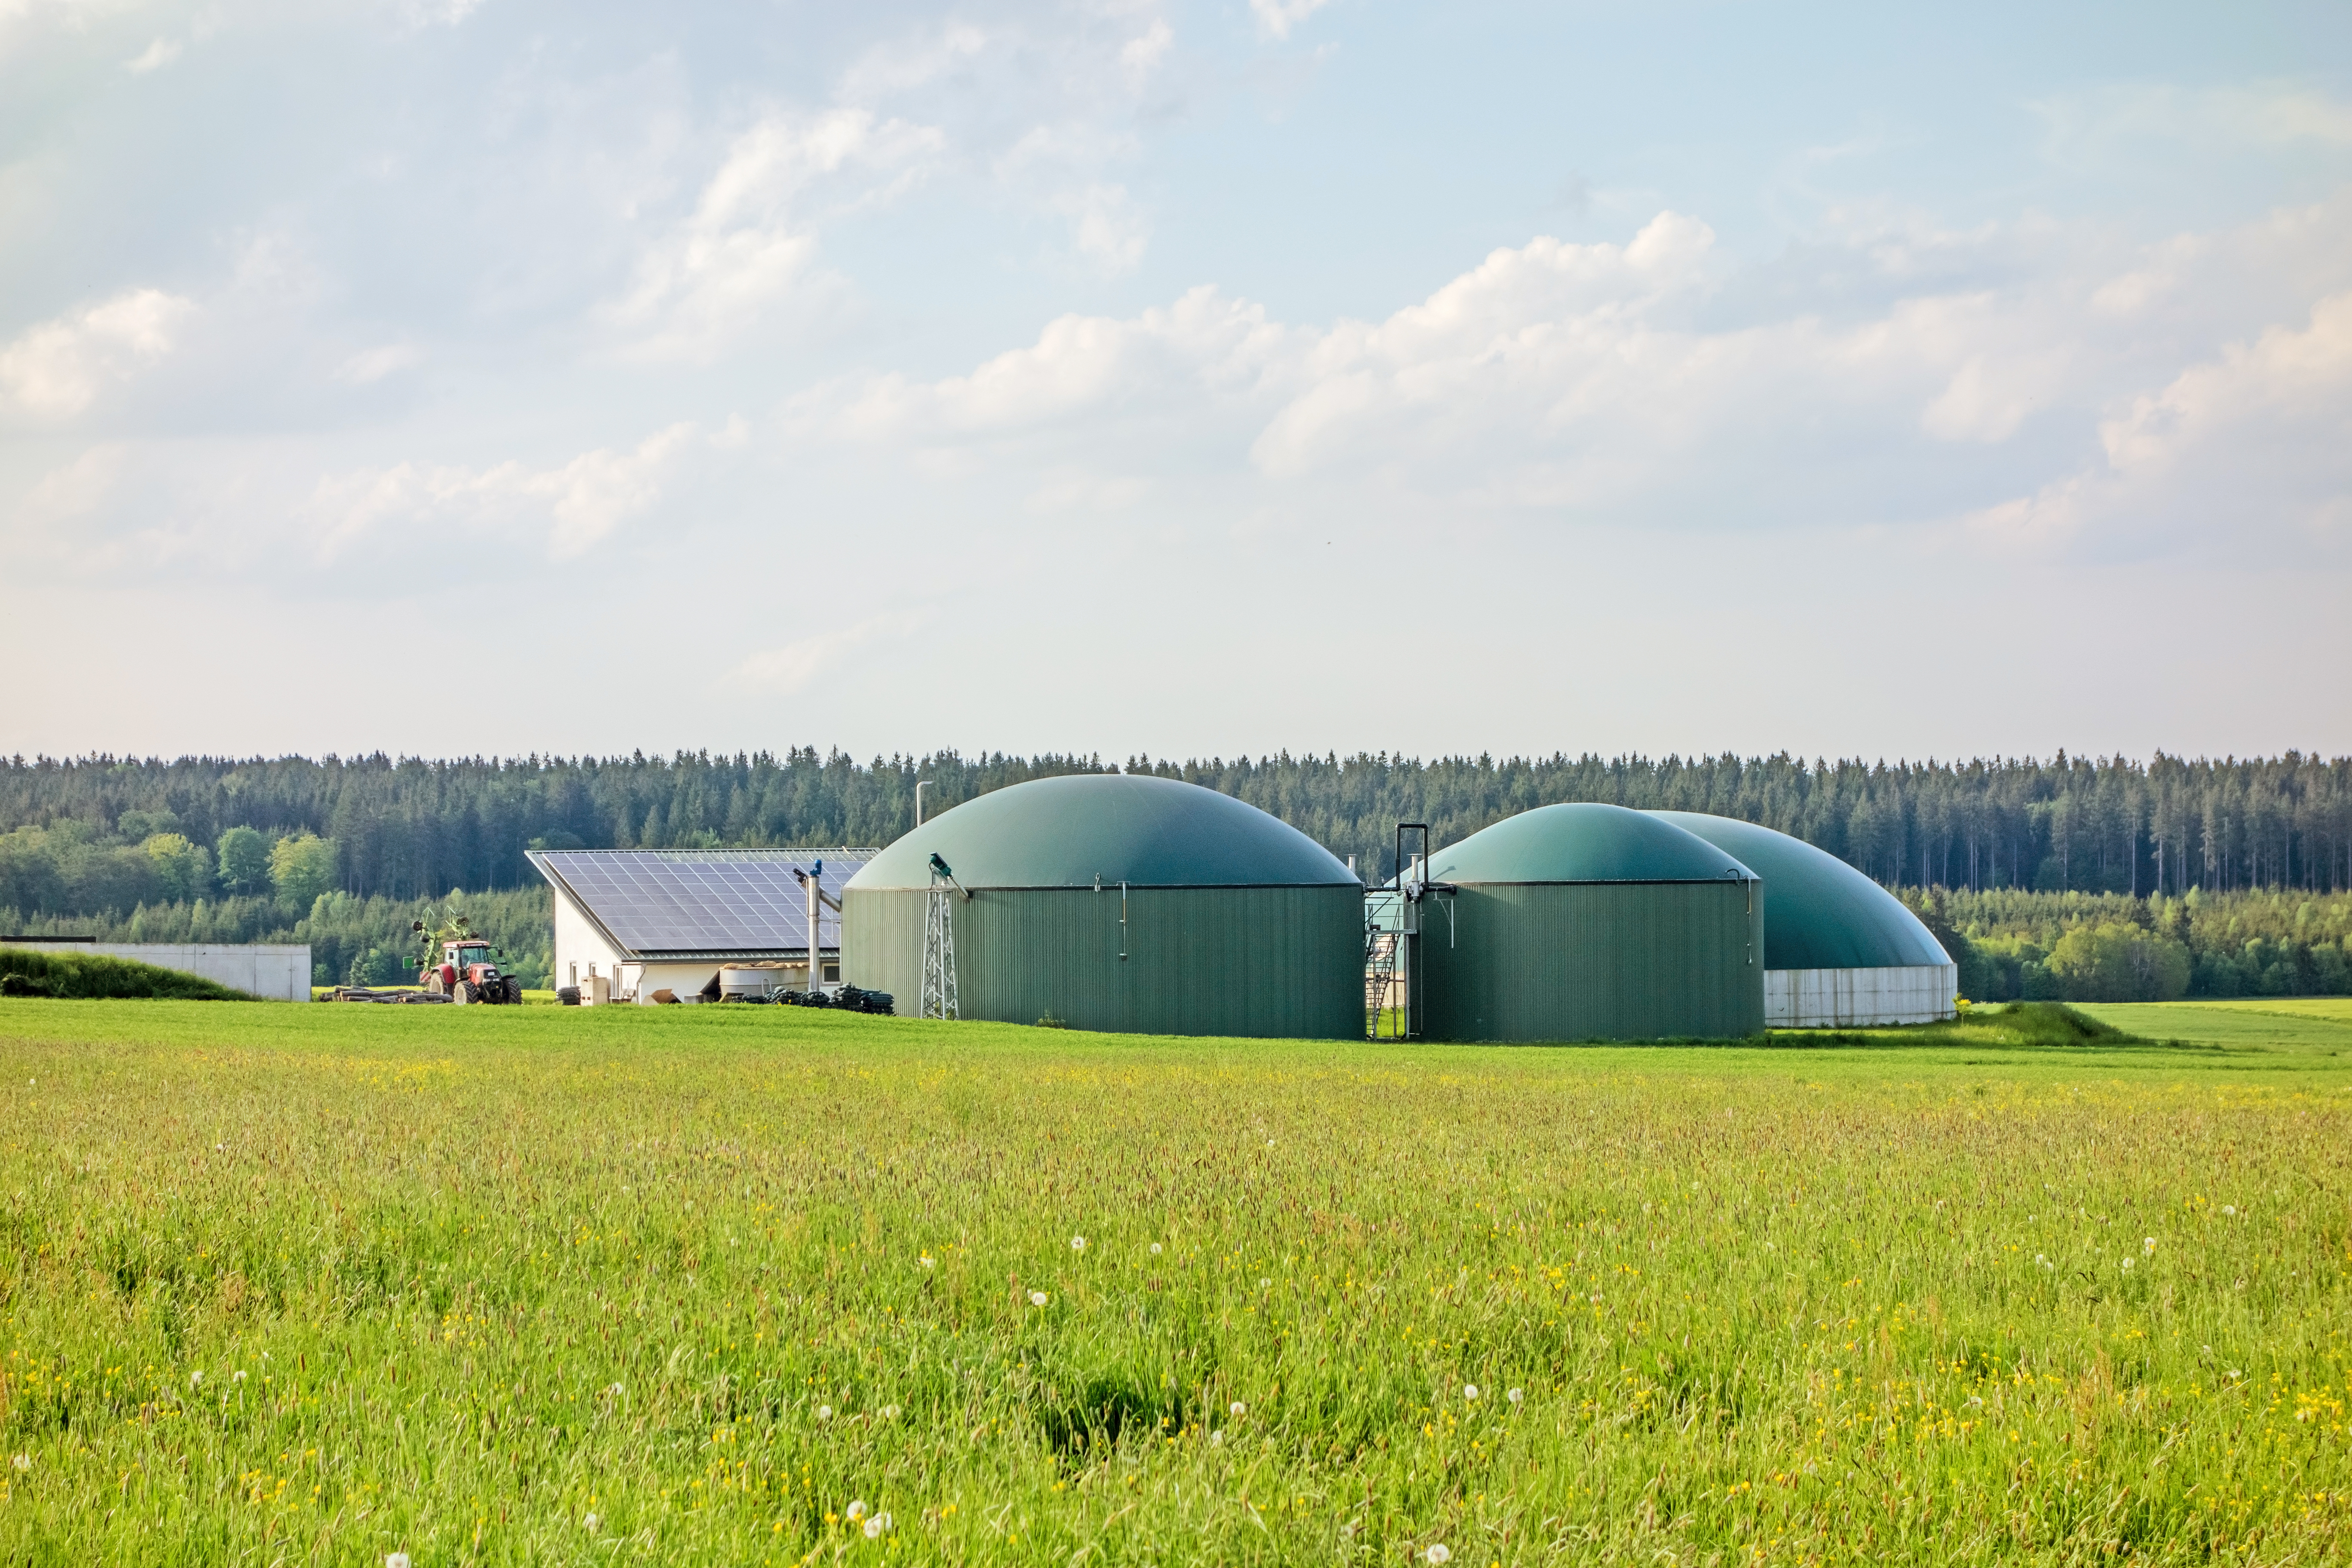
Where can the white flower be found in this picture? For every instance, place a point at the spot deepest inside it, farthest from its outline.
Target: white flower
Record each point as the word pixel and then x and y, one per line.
pixel 2128 1265
pixel 825 1412
pixel 877 1525
pixel 1470 1391
pixel 396 1560
pixel 1216 1439
pixel 2235 1372
pixel 1037 1298
pixel 2150 1244
pixel 237 1376
pixel 1266 1283
pixel 614 1389
pixel 1077 1244
pixel 924 1260
pixel 889 1413
pixel 23 1461
pixel 591 1521
pixel 1155 1249
pixel 2229 1208
pixel 195 1378
pixel 1269 1142
pixel 1437 1554
pixel 856 1510
pixel 1516 1396
pixel 1237 1408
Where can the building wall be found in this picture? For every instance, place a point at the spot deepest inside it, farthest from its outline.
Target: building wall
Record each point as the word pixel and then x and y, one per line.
pixel 1593 961
pixel 579 945
pixel 274 971
pixel 1261 962
pixel 1859 998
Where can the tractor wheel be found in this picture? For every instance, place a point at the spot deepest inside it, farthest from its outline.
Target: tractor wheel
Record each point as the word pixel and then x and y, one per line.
pixel 433 981
pixel 514 991
pixel 464 992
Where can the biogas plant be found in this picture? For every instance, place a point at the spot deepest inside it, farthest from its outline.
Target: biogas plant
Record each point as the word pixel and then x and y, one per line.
pixel 1141 905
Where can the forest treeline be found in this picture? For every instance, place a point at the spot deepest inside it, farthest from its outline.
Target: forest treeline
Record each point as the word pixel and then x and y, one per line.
pixel 2054 878
pixel 102 833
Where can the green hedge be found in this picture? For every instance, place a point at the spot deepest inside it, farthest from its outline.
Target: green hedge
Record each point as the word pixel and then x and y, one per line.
pixel 85 975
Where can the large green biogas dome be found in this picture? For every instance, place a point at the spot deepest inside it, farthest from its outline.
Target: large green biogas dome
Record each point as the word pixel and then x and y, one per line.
pixel 1119 903
pixel 1587 921
pixel 1840 951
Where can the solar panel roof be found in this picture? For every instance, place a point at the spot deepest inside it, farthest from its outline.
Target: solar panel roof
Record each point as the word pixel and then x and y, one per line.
pixel 656 902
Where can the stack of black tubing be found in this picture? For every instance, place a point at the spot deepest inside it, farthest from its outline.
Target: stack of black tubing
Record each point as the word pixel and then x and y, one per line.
pixel 849 998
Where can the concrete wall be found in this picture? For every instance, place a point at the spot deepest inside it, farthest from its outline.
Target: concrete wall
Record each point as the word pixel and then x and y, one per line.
pixel 279 974
pixel 1859 998
pixel 579 947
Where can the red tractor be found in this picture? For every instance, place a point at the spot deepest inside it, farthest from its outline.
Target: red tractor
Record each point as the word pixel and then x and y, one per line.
pixel 468 971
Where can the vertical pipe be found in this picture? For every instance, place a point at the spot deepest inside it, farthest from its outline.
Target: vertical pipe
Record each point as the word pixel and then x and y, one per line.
pixel 816 949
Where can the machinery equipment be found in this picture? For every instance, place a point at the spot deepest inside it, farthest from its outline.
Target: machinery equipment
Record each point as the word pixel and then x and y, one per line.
pixel 459 965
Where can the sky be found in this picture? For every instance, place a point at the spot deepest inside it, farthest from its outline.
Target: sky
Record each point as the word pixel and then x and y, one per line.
pixel 466 377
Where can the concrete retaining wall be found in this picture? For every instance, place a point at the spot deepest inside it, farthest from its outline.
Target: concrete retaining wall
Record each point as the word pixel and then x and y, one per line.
pixel 276 973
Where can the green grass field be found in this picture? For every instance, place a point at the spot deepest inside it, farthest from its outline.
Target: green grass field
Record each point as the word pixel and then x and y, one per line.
pixel 316 1284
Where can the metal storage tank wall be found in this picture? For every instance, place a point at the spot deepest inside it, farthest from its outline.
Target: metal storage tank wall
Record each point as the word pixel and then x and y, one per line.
pixel 1237 924
pixel 1201 961
pixel 1586 923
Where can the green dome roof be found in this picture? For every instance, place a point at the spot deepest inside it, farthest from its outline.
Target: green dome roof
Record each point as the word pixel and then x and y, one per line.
pixel 1585 843
pixel 1146 832
pixel 1818 912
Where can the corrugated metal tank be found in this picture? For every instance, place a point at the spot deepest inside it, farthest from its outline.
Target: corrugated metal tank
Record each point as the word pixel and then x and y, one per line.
pixel 1590 922
pixel 1840 951
pixel 1233 922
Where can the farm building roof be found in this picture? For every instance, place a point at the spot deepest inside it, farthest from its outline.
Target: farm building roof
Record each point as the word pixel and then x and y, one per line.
pixel 696 903
pixel 1584 843
pixel 1120 828
pixel 1818 912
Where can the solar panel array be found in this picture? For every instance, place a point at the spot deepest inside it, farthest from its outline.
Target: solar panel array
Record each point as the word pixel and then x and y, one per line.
pixel 700 900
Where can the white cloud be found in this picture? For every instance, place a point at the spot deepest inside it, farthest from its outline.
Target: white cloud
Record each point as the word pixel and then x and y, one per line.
pixel 1275 18
pixel 1601 381
pixel 2254 441
pixel 750 241
pixel 581 503
pixel 374 364
pixel 59 368
pixel 154 57
pixel 797 664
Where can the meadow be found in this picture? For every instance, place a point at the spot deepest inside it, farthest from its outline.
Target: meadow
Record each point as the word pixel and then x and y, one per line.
pixel 319 1284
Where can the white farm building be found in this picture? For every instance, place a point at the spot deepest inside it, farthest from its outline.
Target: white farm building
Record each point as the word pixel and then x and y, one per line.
pixel 642 921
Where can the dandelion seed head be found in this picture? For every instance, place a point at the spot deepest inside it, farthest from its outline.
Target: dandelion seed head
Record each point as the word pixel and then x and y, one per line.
pixel 1155 1249
pixel 2150 1244
pixel 591 1521
pixel 21 1461
pixel 2127 1263
pixel 857 1509
pixel 2229 1208
pixel 1077 1244
pixel 195 1378
pixel 889 1413
pixel 825 1412
pixel 396 1560
pixel 1437 1554
pixel 877 1525
pixel 1037 1298
pixel 924 1260
pixel 1237 1408
pixel 1516 1396
pixel 1216 1439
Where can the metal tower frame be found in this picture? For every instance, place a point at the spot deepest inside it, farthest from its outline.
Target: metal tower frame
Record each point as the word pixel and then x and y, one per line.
pixel 938 945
